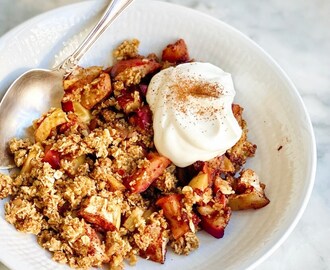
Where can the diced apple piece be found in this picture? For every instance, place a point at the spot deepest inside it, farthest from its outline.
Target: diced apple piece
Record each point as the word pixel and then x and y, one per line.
pixel 226 165
pixel 103 213
pixel 33 153
pixel 74 165
pixel 145 66
pixel 53 158
pixel 147 213
pixel 129 101
pixel 142 118
pixel 133 219
pixel 152 240
pixel 79 161
pixel 222 186
pixel 67 106
pixel 83 114
pixel 206 210
pixel 214 221
pixel 55 118
pixel 80 77
pixel 215 225
pixel 97 90
pixel 200 181
pixel 252 200
pixel 143 177
pixel 250 191
pixel 172 208
pixel 176 53
pixel 114 184
pixel 122 65
pixel 156 251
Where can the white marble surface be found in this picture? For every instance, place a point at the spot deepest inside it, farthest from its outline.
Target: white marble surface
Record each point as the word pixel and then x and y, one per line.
pixel 296 33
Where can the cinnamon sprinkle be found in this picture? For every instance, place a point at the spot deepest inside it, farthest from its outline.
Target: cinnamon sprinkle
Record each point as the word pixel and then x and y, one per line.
pixel 186 88
pixel 200 89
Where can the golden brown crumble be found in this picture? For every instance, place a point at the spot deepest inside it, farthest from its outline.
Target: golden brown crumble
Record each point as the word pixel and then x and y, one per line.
pixel 130 76
pixel 168 181
pixel 185 244
pixel 95 191
pixel 127 49
pixel 24 215
pixel 6 186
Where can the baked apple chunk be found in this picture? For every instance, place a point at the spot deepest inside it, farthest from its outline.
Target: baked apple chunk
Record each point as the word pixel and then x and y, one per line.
pixel 144 177
pixel 250 192
pixel 176 53
pixel 53 119
pixel 214 219
pixel 101 212
pixel 172 208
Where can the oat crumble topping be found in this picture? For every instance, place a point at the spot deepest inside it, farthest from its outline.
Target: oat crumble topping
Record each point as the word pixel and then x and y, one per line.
pixel 93 188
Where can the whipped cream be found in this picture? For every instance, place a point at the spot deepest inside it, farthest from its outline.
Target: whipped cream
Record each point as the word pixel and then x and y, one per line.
pixel 192 114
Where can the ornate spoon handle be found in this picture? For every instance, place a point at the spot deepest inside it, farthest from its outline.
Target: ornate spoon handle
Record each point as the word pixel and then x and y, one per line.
pixel 112 11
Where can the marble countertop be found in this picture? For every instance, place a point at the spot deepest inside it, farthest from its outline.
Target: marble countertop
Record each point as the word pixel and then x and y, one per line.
pixel 296 33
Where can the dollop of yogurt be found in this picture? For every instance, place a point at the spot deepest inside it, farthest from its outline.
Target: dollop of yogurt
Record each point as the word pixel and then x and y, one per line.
pixel 192 115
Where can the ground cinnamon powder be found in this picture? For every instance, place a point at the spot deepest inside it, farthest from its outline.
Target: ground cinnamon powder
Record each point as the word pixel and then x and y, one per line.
pixel 190 87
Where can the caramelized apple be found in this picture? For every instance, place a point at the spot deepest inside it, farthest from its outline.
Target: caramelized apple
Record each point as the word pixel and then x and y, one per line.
pixel 83 114
pixel 143 177
pixel 172 208
pixel 144 66
pixel 200 181
pixel 142 118
pixel 176 53
pixel 101 212
pixel 53 158
pixel 214 220
pixel 96 91
pixel 80 77
pixel 67 106
pixel 51 121
pixel 129 101
pixel 250 191
pixel 33 153
pixel 156 251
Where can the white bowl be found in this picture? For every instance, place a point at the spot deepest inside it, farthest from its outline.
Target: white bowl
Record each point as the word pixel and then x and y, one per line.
pixel 277 120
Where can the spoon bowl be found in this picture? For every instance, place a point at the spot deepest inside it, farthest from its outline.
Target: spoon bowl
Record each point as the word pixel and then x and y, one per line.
pixel 37 90
pixel 32 94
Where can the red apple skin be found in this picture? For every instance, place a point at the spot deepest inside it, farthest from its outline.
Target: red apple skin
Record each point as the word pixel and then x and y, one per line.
pixel 145 65
pixel 140 180
pixel 143 88
pixel 53 158
pixel 172 208
pixel 210 226
pixel 120 66
pixel 67 106
pixel 216 220
pixel 61 129
pixel 176 52
pixel 142 118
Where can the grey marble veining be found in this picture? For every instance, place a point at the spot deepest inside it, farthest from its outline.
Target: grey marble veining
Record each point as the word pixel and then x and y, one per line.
pixel 296 34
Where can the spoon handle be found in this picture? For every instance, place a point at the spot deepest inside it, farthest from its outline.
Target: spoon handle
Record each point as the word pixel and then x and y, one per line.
pixel 114 8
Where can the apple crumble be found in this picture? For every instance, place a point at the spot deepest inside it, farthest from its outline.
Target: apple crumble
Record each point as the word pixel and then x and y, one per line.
pixel 92 186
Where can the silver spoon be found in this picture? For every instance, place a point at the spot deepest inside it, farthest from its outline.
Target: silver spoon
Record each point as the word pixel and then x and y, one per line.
pixel 35 91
